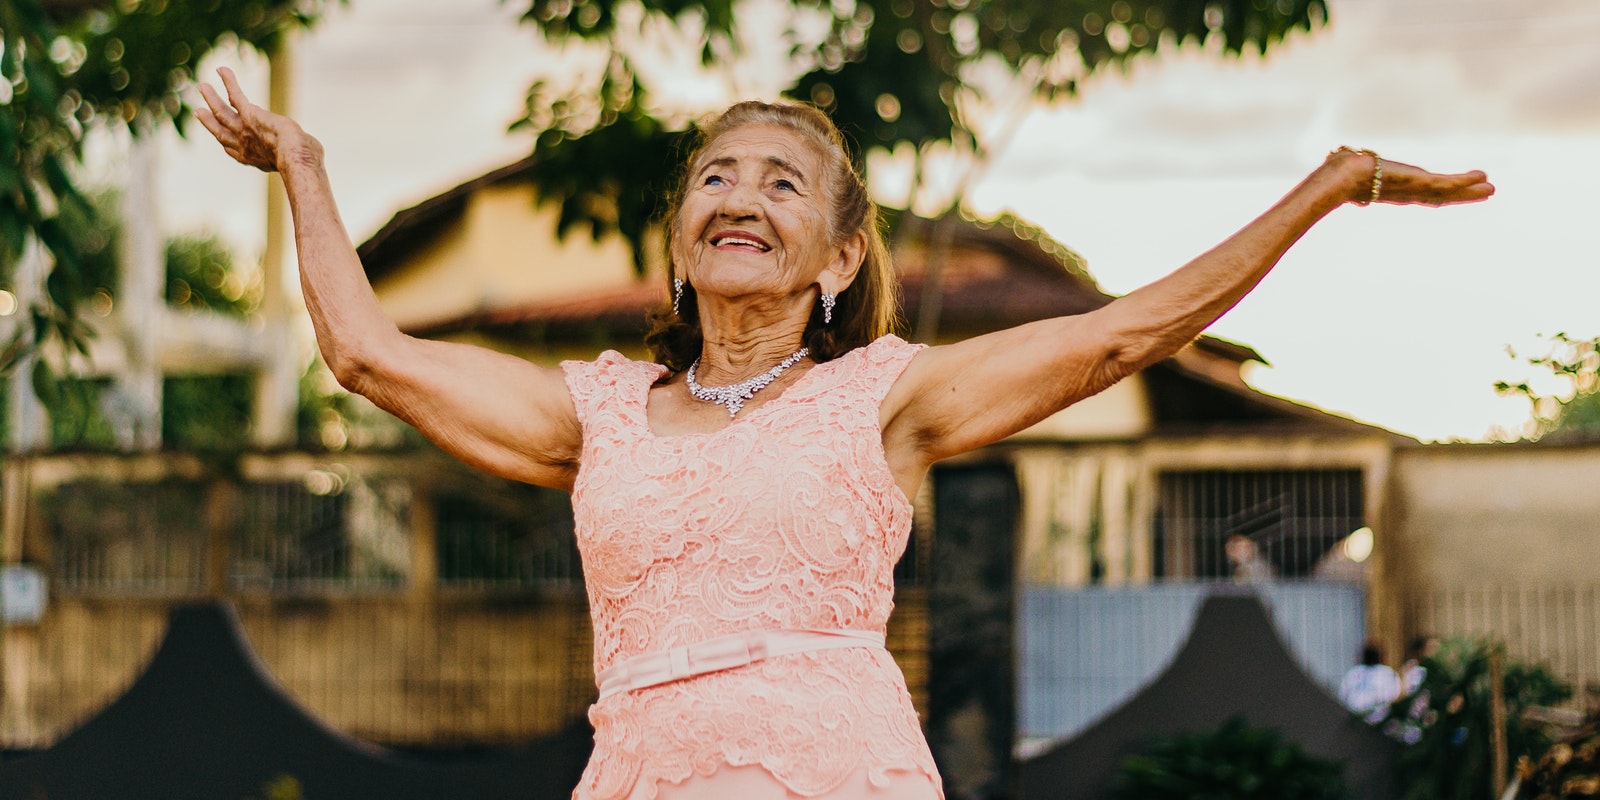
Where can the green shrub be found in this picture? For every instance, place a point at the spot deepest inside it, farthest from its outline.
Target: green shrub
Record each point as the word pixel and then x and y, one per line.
pixel 1233 762
pixel 1451 757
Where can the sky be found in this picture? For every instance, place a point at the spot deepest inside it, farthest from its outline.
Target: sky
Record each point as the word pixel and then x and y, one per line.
pixel 1400 317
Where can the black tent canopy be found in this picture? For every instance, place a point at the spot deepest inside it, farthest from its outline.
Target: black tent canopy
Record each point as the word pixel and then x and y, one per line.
pixel 205 720
pixel 1233 664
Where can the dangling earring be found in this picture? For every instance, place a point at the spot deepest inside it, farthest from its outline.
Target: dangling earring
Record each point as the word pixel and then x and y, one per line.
pixel 677 293
pixel 828 299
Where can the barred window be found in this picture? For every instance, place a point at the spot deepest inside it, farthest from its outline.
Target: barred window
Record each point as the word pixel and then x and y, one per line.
pixel 1279 523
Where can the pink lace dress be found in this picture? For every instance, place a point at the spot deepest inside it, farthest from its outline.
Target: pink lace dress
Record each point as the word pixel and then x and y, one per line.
pixel 789 518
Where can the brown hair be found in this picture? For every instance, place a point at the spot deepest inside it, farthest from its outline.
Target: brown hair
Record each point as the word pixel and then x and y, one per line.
pixel 866 310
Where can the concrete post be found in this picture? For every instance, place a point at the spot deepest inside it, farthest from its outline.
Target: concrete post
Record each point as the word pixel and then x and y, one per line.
pixel 424 577
pixel 26 422
pixel 278 378
pixel 222 514
pixel 141 296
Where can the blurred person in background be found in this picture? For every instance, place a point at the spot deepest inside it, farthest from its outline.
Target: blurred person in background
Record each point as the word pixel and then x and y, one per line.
pixel 1369 687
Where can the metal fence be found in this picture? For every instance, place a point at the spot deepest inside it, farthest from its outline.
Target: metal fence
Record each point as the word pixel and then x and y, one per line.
pixel 525 542
pixel 321 556
pixel 329 531
pixel 1557 626
pixel 325 532
pixel 128 539
pixel 388 670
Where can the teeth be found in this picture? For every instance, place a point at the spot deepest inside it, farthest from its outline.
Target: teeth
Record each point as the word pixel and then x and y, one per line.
pixel 737 240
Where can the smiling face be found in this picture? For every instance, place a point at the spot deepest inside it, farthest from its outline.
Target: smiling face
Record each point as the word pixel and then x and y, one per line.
pixel 755 219
pixel 770 208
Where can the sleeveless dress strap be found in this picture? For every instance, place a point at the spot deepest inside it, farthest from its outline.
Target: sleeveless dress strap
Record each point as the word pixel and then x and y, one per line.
pixel 607 384
pixel 882 363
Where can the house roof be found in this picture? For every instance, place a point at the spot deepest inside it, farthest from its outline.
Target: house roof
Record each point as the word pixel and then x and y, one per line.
pixel 998 273
pixel 388 249
pixel 1055 279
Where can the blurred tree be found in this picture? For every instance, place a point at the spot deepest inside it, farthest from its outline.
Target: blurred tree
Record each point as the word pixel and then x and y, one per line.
pixel 200 272
pixel 1573 410
pixel 66 66
pixel 199 411
pixel 201 277
pixel 207 412
pixel 923 73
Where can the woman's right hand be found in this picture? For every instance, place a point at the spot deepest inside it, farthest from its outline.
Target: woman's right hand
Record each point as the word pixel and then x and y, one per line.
pixel 250 134
pixel 1404 184
pixel 493 411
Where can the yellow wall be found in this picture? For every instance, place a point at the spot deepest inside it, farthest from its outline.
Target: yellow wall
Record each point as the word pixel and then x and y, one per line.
pixel 1120 412
pixel 502 252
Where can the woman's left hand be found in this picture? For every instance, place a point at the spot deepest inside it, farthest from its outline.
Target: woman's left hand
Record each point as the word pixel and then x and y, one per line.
pixel 1404 184
pixel 958 397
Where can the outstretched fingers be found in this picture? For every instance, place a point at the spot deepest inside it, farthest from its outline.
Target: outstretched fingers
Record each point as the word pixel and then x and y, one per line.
pixel 236 95
pixel 1479 190
pixel 1407 184
pixel 248 133
pixel 1464 187
pixel 218 116
pixel 209 121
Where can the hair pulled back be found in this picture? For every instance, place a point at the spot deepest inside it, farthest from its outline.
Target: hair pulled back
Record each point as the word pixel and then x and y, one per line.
pixel 866 310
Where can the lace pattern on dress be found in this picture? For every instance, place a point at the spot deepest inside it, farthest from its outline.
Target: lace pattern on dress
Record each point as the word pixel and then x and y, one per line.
pixel 787 518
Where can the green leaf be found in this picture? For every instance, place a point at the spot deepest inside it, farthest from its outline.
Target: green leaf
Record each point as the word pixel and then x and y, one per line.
pixel 45 386
pixel 42 80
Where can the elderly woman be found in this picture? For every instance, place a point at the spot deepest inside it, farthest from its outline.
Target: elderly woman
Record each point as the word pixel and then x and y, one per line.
pixel 741 502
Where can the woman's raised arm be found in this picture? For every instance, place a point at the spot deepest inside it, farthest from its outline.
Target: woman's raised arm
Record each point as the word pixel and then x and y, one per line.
pixel 962 396
pixel 493 411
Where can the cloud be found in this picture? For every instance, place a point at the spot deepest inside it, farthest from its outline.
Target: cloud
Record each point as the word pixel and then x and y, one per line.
pixel 1536 63
pixel 1400 68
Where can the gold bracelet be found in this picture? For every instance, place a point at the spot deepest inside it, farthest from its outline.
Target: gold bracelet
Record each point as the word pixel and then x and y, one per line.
pixel 1377 170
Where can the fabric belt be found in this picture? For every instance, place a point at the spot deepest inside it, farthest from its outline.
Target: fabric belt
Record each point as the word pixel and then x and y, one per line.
pixel 723 652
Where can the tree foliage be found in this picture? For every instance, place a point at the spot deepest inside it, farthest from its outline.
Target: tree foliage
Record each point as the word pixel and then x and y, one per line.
pixel 890 72
pixel 1574 409
pixel 67 66
pixel 200 273
pixel 199 412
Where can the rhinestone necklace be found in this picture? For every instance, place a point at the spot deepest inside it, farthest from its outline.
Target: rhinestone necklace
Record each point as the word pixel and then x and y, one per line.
pixel 733 395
